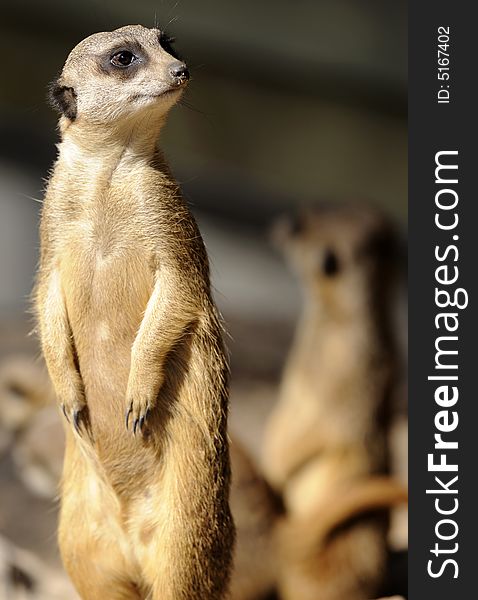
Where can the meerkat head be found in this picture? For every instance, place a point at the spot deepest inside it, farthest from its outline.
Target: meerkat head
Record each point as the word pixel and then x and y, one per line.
pixel 343 256
pixel 119 75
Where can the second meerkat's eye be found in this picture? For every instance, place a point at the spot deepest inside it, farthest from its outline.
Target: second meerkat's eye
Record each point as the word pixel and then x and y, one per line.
pixel 122 59
pixel 330 263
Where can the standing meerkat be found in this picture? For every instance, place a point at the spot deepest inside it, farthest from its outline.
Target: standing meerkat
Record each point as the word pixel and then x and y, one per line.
pixel 332 417
pixel 329 430
pixel 131 336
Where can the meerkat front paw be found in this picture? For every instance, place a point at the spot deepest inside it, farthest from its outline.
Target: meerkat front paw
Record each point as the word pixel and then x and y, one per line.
pixel 137 413
pixel 141 395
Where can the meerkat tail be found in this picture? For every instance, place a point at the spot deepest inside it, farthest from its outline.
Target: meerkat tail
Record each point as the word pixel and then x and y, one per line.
pixel 300 535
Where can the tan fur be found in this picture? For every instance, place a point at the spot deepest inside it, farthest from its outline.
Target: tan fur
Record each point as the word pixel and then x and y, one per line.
pixel 127 325
pixel 329 428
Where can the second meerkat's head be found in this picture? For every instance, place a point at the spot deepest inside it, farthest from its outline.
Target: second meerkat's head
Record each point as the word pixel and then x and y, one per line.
pixel 118 75
pixel 346 257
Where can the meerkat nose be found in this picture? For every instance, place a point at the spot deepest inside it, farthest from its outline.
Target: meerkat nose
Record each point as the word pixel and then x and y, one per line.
pixel 179 72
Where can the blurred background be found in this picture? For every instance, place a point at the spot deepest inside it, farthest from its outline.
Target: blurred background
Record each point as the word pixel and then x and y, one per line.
pixel 290 104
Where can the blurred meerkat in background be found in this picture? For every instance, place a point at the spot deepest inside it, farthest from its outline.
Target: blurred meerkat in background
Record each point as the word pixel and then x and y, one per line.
pixel 332 418
pixel 330 427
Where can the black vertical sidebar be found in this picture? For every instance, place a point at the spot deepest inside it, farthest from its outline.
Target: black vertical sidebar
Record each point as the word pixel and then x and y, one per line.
pixel 443 127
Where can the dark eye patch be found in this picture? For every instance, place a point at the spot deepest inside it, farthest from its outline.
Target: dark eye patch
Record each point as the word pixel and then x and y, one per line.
pixel 166 42
pixel 124 60
pixel 330 263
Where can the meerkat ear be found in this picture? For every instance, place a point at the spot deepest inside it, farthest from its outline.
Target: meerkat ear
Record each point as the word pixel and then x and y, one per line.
pixel 63 99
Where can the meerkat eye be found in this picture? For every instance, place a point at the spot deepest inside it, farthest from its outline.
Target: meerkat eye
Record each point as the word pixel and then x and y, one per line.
pixel 123 59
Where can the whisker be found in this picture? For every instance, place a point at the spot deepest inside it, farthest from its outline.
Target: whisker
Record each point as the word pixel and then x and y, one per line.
pixel 30 198
pixel 188 105
pixel 172 9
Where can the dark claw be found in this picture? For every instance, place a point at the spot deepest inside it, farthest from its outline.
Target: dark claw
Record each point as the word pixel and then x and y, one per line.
pixel 65 413
pixel 76 421
pixel 141 423
pixel 128 413
pixel 135 426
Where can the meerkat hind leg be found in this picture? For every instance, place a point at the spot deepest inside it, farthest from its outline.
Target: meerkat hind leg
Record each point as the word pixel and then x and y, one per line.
pixel 94 548
pixel 97 574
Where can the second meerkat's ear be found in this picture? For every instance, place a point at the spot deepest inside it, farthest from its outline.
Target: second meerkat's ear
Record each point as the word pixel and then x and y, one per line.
pixel 63 99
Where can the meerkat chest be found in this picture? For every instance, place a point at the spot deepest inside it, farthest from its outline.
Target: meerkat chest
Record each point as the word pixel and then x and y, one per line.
pixel 110 224
pixel 333 386
pixel 106 260
pixel 105 232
